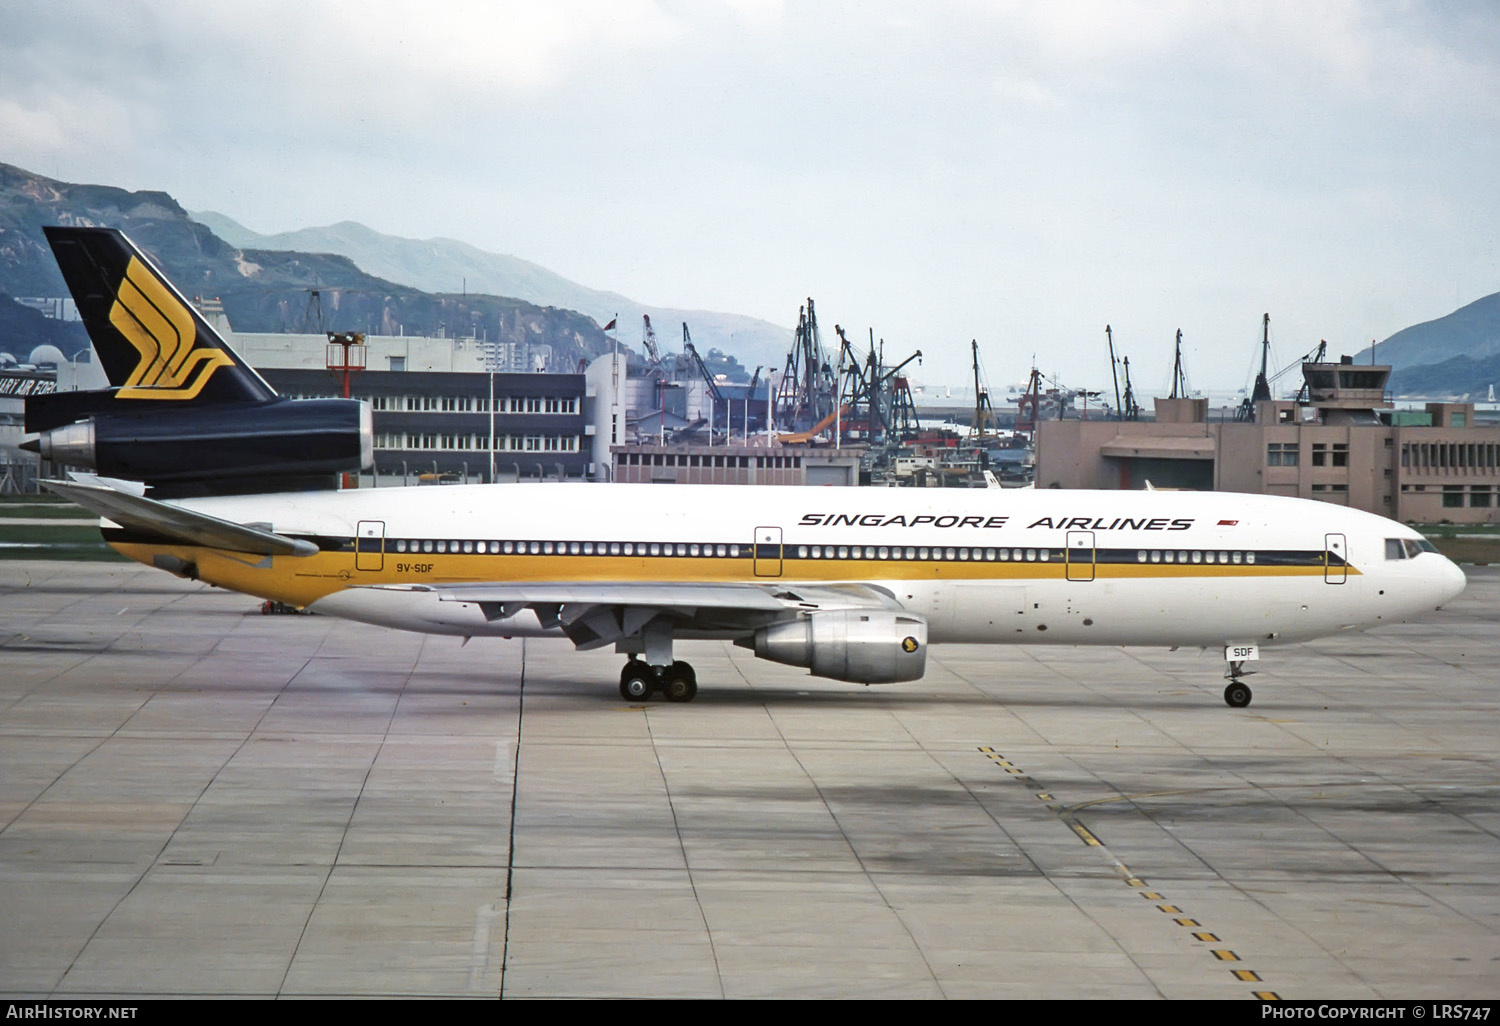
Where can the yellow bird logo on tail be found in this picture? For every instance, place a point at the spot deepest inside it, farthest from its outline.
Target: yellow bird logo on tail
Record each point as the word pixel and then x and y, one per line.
pixel 161 329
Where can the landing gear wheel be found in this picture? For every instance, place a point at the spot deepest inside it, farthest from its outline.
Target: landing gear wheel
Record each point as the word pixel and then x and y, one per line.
pixel 637 682
pixel 679 686
pixel 1237 694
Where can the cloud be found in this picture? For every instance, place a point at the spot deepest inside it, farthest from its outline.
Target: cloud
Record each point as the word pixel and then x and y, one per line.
pixel 1005 166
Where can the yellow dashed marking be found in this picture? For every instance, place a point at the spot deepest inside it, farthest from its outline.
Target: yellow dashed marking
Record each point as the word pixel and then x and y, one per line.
pixel 1083 833
pixel 1087 837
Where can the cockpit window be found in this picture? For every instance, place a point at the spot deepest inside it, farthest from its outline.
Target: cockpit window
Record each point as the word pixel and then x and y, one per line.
pixel 1407 548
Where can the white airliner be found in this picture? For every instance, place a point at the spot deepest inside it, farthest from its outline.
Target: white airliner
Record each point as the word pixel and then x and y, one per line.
pixel 851 583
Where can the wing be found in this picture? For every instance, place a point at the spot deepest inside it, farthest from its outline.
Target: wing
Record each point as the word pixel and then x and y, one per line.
pixel 594 615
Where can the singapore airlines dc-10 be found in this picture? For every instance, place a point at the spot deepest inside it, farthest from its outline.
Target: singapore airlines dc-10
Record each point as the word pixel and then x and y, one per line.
pixel 232 487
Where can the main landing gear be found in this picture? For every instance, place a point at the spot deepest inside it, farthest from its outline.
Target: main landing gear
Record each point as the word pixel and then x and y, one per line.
pixel 639 680
pixel 1237 692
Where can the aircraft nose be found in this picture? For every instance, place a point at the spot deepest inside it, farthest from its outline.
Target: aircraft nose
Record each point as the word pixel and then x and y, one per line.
pixel 1452 581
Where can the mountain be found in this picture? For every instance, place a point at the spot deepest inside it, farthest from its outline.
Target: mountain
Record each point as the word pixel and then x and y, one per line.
pixel 1453 355
pixel 447 265
pixel 261 289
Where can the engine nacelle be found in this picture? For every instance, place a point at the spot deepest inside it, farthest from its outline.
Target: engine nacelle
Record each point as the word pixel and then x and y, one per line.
pixel 167 445
pixel 864 646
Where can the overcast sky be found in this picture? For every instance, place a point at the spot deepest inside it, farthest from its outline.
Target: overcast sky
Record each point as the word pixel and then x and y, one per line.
pixel 1021 173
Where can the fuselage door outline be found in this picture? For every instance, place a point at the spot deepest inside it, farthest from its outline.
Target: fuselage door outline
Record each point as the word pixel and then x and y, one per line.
pixel 369 545
pixel 1335 559
pixel 1080 555
pixel 767 552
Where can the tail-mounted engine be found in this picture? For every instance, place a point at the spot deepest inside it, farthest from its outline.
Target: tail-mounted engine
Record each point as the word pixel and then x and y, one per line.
pixel 168 447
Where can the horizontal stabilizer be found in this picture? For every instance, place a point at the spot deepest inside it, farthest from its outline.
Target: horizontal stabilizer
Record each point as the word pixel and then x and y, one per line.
pixel 137 513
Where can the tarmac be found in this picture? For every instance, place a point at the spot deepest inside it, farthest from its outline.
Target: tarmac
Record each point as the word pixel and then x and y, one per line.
pixel 200 800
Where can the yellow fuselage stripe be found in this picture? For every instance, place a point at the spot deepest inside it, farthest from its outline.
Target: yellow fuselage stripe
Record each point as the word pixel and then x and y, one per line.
pixel 304 579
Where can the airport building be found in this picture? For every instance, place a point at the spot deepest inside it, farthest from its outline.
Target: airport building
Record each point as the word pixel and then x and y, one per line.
pixel 1345 443
pixel 439 411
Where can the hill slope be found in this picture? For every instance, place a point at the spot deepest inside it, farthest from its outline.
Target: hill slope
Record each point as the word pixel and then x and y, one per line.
pixel 1452 355
pixel 261 289
pixel 447 265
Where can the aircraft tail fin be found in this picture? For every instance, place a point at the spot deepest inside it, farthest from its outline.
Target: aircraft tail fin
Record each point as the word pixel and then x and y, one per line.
pixel 152 344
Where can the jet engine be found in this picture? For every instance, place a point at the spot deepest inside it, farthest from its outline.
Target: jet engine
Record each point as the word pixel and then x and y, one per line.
pixel 860 645
pixel 287 442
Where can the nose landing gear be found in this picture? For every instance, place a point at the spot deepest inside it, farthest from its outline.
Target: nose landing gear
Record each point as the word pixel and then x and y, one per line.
pixel 1237 693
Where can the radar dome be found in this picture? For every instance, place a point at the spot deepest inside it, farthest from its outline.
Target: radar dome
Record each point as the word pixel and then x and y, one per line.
pixel 47 354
